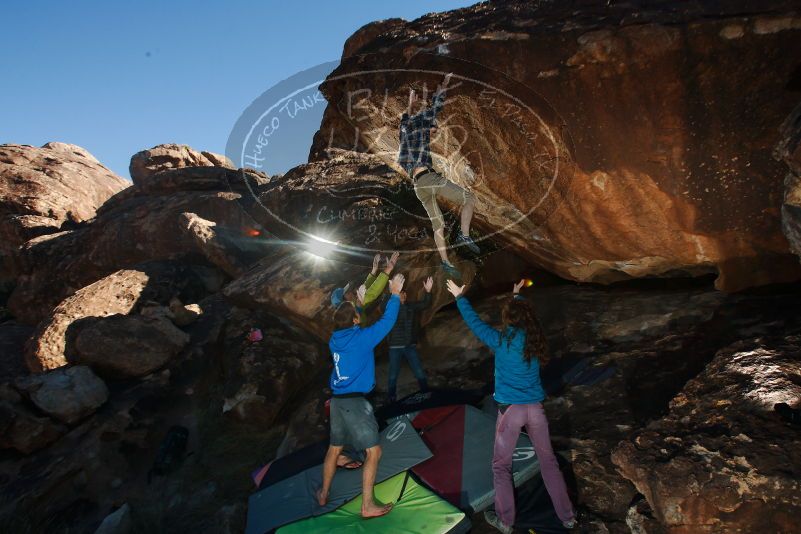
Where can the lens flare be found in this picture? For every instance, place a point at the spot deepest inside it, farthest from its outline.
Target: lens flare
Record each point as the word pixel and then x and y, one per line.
pixel 529 282
pixel 252 232
pixel 320 248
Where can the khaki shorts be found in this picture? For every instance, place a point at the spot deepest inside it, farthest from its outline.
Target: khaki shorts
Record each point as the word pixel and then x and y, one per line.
pixel 430 185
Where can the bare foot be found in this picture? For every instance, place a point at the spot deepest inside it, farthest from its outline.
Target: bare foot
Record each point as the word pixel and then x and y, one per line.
pixel 373 510
pixel 322 500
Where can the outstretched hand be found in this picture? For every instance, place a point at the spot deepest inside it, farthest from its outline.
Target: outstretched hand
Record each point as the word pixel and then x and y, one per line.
pixel 428 284
pixel 391 261
pixel 396 284
pixel 516 287
pixel 360 294
pixel 376 263
pixel 454 289
pixel 445 82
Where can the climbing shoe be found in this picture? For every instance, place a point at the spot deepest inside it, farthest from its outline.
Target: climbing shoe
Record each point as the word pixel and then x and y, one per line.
pixel 492 518
pixel 451 270
pixel 466 241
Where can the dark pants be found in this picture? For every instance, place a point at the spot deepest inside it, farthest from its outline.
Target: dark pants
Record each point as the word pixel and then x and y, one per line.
pixel 396 354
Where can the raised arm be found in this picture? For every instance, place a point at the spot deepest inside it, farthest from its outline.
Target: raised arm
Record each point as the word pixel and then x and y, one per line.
pixel 376 288
pixel 371 277
pixel 428 117
pixel 426 301
pixel 375 333
pixel 488 335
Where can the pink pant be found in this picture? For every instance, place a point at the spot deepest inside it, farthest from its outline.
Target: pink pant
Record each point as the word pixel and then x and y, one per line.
pixel 507 432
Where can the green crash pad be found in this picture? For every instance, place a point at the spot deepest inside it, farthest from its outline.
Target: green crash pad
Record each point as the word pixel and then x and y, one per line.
pixel 419 511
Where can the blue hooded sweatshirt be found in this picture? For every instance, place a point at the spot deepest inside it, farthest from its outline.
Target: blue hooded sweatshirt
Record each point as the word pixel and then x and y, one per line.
pixel 516 380
pixel 352 352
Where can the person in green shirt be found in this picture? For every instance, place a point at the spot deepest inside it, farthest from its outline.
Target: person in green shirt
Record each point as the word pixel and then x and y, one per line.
pixel 373 287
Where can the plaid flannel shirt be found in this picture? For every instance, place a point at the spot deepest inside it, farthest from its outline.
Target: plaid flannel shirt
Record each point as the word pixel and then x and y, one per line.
pixel 415 135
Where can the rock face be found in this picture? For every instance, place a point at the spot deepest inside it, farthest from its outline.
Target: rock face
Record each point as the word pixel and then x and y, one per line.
pixel 52 344
pixel 213 245
pixel 117 522
pixel 20 428
pixel 357 202
pixel 789 150
pixel 44 189
pixel 12 343
pixel 128 345
pixel 140 224
pixel 722 460
pixel 606 143
pixel 184 315
pixel 368 33
pixel 263 376
pixel 146 163
pixel 68 394
pixel 119 292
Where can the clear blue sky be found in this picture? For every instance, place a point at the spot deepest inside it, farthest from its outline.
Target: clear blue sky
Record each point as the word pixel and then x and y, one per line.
pixel 118 77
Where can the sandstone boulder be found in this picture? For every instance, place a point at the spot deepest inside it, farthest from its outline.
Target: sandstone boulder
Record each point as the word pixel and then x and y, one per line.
pixel 604 144
pixel 358 207
pixel 214 246
pixel 43 189
pixel 722 460
pixel 368 33
pixel 67 394
pixel 20 428
pixel 12 344
pixel 261 377
pixel 170 156
pixel 142 223
pixel 184 315
pixel 52 344
pixel 128 345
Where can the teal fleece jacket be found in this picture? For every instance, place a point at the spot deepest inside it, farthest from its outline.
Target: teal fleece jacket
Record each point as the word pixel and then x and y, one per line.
pixel 516 380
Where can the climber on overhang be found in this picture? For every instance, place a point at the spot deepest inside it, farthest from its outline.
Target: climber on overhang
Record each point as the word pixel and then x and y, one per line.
pixel 414 156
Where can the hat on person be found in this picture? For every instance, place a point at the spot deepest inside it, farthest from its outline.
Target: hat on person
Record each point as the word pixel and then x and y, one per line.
pixel 339 295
